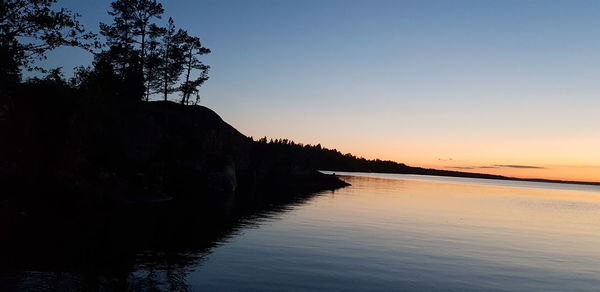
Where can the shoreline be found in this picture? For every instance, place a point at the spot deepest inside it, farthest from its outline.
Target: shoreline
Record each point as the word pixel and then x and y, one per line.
pixel 476 176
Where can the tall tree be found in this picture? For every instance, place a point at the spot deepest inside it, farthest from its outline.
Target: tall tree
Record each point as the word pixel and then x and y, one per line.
pixel 119 36
pixel 129 35
pixel 193 49
pixel 173 57
pixel 143 11
pixel 152 66
pixel 29 29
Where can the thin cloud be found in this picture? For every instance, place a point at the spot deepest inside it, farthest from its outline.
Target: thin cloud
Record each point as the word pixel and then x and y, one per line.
pixel 519 166
pixel 497 166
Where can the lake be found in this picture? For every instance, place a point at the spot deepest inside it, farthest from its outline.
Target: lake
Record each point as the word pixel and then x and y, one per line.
pixel 385 232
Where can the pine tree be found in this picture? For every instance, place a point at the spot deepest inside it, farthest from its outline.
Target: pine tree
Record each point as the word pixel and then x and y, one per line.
pixel 150 59
pixel 128 39
pixel 192 50
pixel 119 36
pixel 152 66
pixel 172 59
pixel 31 28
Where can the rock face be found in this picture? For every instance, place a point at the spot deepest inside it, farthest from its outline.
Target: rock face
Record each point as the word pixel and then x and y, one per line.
pixel 86 155
pixel 99 183
pixel 225 179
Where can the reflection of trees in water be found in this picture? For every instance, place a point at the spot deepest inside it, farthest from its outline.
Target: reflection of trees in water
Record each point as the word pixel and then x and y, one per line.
pixel 172 279
pixel 146 250
pixel 168 270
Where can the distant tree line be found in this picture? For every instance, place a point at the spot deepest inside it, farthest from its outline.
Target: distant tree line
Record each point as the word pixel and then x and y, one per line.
pixel 318 157
pixel 291 154
pixel 135 57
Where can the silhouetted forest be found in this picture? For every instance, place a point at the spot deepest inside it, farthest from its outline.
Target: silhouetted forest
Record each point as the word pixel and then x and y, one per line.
pixel 317 157
pixel 135 57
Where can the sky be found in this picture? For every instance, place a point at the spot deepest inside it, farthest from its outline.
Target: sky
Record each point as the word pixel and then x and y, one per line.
pixel 501 87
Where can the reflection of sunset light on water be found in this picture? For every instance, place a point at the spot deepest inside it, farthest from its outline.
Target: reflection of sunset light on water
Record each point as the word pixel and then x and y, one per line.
pixel 423 233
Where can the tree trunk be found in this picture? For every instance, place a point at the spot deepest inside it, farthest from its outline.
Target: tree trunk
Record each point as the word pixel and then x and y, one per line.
pixel 143 59
pixel 166 73
pixel 187 91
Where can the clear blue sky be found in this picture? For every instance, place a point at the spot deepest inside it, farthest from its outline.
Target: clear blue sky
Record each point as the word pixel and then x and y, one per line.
pixel 481 82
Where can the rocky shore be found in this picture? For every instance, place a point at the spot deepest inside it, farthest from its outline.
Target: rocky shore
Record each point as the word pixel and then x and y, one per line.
pixel 65 155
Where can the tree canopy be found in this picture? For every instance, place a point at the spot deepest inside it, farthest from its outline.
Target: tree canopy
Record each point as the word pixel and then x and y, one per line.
pixel 136 57
pixel 29 29
pixel 152 56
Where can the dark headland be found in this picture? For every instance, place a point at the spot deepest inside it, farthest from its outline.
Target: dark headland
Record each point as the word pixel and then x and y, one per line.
pixel 95 155
pixel 61 151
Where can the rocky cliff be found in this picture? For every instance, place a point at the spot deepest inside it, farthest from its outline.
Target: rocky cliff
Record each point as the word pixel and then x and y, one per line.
pixel 76 154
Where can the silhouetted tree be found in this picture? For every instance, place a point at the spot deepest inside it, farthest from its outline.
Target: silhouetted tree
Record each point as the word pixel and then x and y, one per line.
pixel 99 81
pixel 30 28
pixel 192 50
pixel 152 61
pixel 56 76
pixel 138 59
pixel 128 39
pixel 173 57
pixel 120 51
pixel 119 36
pixel 143 34
pixel 53 77
pixel 143 11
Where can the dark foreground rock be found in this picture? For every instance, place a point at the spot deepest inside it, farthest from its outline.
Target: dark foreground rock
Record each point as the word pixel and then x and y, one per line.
pixel 69 155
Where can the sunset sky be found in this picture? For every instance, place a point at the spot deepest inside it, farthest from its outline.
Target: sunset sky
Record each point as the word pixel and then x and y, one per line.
pixel 501 87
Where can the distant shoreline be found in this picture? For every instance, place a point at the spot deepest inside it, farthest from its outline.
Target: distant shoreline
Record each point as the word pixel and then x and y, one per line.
pixel 320 158
pixel 479 176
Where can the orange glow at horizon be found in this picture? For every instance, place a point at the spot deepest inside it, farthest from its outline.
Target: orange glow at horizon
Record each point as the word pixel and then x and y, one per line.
pixel 573 159
pixel 509 142
pixel 558 160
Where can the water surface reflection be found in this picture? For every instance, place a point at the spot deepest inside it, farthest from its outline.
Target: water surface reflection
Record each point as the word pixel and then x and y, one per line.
pixel 399 233
pixel 149 248
pixel 381 233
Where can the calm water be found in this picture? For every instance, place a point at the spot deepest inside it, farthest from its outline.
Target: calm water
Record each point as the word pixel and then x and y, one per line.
pixel 398 232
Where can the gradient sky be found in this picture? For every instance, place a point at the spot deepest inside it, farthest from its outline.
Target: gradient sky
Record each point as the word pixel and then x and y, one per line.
pixel 503 87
